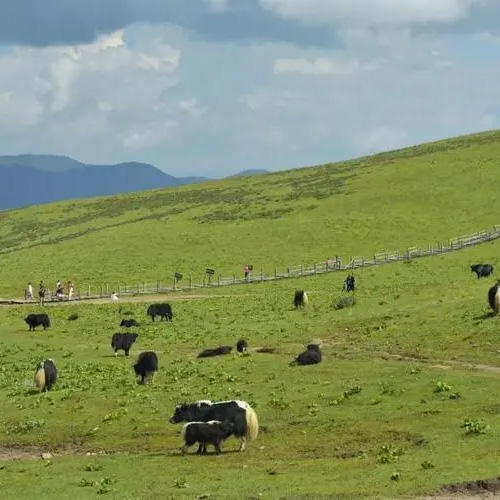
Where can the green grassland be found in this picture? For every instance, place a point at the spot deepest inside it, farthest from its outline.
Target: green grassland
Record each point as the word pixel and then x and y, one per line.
pixel 401 371
pixel 324 428
pixel 415 196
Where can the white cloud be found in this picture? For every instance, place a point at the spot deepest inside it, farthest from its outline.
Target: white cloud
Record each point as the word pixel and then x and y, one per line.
pixel 217 5
pixel 75 94
pixel 132 96
pixel 321 66
pixel 371 12
pixel 141 137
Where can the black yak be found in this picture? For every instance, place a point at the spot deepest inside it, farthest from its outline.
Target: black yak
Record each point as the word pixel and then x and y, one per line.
pixel 146 366
pixel 212 432
pixel 482 270
pixel 311 356
pixel 494 298
pixel 300 299
pixel 162 310
pixel 240 413
pixel 242 345
pixel 37 319
pixel 218 351
pixel 46 375
pixel 123 341
pixel 127 323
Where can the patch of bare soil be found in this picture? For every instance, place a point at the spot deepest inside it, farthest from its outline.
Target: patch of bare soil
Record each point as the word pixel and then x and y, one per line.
pixel 21 453
pixel 469 490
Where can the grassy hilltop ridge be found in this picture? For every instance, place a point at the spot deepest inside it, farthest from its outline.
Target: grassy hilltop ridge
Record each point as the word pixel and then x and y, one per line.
pixel 393 200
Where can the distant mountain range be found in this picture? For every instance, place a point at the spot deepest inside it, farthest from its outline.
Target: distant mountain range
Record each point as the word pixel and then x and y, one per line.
pixel 33 179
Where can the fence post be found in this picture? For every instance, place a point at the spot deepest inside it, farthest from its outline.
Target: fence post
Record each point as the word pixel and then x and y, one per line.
pixel 275 273
pixel 315 271
pixel 288 272
pixel 174 284
pixel 261 275
pixel 100 293
pixel 107 290
pixel 301 269
pixel 218 281
pixel 234 278
pixel 88 293
pixel 190 282
pixel 203 282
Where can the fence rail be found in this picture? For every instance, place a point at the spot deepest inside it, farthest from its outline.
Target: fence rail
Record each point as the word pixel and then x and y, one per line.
pixel 329 265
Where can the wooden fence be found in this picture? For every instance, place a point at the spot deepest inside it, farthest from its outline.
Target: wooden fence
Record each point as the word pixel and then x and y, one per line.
pixel 330 265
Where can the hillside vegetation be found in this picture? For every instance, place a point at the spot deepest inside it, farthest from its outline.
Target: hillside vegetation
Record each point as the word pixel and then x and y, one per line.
pixel 393 200
pixel 402 403
pixel 389 399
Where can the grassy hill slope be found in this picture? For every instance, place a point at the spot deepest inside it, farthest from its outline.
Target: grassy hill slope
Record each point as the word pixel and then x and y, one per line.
pixel 409 197
pixel 399 416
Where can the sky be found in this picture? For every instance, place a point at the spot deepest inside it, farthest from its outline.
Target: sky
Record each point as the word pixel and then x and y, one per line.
pixel 213 87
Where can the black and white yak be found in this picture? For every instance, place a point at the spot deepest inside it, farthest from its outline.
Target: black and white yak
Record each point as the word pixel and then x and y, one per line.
pixel 300 299
pixel 162 310
pixel 242 345
pixel 212 432
pixel 494 298
pixel 123 341
pixel 311 356
pixel 239 413
pixel 146 366
pixel 37 319
pixel 46 375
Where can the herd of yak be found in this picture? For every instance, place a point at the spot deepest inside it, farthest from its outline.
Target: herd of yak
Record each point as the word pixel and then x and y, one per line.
pixel 207 422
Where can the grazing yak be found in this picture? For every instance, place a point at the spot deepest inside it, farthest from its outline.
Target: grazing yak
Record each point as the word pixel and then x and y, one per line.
pixel 34 320
pixel 123 341
pixel 162 310
pixel 127 323
pixel 300 299
pixel 218 351
pixel 242 345
pixel 482 270
pixel 212 432
pixel 146 366
pixel 46 375
pixel 239 413
pixel 311 356
pixel 494 297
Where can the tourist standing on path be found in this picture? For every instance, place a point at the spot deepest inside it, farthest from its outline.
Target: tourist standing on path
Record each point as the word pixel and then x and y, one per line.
pixel 41 293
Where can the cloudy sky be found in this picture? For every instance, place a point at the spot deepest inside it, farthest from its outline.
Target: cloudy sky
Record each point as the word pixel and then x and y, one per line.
pixel 212 87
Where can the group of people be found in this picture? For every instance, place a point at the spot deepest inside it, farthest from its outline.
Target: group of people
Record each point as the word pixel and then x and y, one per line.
pixel 42 291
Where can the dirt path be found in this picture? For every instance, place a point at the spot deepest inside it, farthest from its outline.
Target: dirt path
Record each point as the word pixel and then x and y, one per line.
pixel 123 300
pixel 443 364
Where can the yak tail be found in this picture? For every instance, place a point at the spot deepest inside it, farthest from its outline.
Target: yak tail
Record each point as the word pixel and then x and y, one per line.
pixel 497 302
pixel 40 378
pixel 305 299
pixel 252 424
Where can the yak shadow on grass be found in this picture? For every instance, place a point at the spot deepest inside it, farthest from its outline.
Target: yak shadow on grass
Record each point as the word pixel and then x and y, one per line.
pixel 487 315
